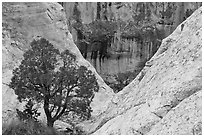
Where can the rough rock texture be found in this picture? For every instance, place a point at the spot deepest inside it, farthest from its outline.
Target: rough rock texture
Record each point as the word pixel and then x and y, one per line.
pixel 141 12
pixel 165 97
pixel 186 118
pixel 21 23
pixel 125 52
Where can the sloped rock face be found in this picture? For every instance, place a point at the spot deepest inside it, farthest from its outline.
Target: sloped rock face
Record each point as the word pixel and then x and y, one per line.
pixel 21 23
pixel 186 118
pixel 165 97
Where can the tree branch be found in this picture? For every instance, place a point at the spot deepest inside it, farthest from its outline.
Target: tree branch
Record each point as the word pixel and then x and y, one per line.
pixel 57 90
pixel 52 108
pixel 65 104
pixel 58 87
pixel 59 107
pixel 29 88
pixel 60 114
pixel 58 110
pixel 35 85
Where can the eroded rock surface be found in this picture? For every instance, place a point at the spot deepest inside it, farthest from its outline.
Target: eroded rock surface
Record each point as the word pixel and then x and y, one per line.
pixel 21 23
pixel 184 119
pixel 165 98
pixel 142 27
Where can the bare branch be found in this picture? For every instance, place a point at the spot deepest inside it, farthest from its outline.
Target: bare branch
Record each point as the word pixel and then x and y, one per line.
pixel 59 107
pixel 65 104
pixel 53 108
pixel 58 110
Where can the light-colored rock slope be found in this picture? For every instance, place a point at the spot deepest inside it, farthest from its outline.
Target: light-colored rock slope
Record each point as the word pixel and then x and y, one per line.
pixel 165 98
pixel 21 23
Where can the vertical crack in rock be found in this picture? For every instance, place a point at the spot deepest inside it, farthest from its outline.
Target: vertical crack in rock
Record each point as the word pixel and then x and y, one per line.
pixel 49 14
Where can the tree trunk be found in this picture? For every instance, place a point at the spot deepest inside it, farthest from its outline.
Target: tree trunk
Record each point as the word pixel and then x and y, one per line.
pixel 98 13
pixel 50 122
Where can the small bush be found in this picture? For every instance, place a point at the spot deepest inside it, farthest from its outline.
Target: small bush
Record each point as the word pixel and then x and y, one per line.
pixel 122 80
pixel 29 127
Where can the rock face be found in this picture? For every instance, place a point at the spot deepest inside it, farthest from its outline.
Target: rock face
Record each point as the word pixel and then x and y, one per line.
pixel 126 51
pixel 186 118
pixel 21 23
pixel 165 97
pixel 132 11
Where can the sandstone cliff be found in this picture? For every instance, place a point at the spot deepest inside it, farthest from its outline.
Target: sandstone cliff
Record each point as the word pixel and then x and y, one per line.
pixel 148 22
pixel 21 23
pixel 169 14
pixel 165 97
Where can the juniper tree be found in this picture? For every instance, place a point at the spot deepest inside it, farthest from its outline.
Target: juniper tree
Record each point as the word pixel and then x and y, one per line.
pixel 29 113
pixel 49 77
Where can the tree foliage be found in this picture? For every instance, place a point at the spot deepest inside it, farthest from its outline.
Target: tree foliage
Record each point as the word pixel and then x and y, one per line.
pixel 50 77
pixel 100 30
pixel 29 113
pixel 123 79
